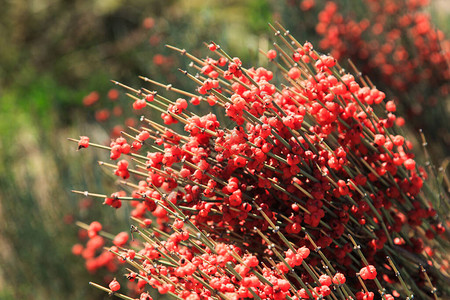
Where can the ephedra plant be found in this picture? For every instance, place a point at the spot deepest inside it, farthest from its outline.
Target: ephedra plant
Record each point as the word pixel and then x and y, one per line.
pixel 397 42
pixel 305 190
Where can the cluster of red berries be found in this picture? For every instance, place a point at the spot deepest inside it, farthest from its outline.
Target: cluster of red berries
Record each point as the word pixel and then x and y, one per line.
pixel 308 166
pixel 397 43
pixel 93 252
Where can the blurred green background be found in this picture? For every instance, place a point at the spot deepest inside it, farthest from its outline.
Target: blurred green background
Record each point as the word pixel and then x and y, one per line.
pixel 53 53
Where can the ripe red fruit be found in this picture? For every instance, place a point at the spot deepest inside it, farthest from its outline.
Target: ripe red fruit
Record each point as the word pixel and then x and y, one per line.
pixel 147 222
pixel 91 98
pixel 223 178
pixel 121 239
pixel 185 173
pixel 195 100
pixel 113 94
pixel 271 54
pixel 339 278
pixel 114 285
pixel 325 280
pixel 212 47
pixel 143 135
pixel 95 226
pixel 139 104
pixel 365 296
pixel 84 142
pixel 368 272
pixel 410 164
pixel 390 106
pixel 136 145
pixel 77 249
pixel 294 73
pixel 131 254
pixel 379 139
pixel 399 140
pixel 304 252
pixel 178 224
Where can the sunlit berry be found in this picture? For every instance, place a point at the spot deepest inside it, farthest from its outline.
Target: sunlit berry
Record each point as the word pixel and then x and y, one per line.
pixel 271 54
pixel 368 273
pixel 114 285
pixel 84 142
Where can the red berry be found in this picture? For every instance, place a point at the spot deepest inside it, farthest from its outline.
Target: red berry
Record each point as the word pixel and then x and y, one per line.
pixel 136 145
pixel 113 94
pixel 114 285
pixel 95 226
pixel 195 100
pixel 271 54
pixel 121 239
pixel 212 47
pixel 390 106
pixel 131 254
pixel 339 278
pixel 139 104
pixel 91 98
pixel 185 173
pixel 294 73
pixel 178 224
pixel 325 280
pixel 410 164
pixel 77 249
pixel 304 252
pixel 368 272
pixel 84 142
pixel 143 135
pixel 147 222
pixel 379 139
pixel 398 140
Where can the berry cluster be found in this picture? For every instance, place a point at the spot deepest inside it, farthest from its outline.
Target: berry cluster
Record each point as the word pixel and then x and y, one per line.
pixel 312 180
pixel 397 43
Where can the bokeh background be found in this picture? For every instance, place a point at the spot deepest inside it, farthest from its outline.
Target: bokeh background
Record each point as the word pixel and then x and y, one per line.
pixel 56 61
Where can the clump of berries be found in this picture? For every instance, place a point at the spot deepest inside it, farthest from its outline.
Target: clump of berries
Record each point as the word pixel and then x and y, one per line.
pixel 311 193
pixel 397 42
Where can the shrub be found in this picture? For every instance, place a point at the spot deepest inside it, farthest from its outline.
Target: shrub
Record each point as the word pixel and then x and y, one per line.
pixel 299 190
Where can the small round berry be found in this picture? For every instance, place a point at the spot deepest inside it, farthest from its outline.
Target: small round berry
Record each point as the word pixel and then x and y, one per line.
pixel 195 100
pixel 136 145
pixel 294 73
pixel 121 239
pixel 271 54
pixel 139 104
pixel 368 272
pixel 147 222
pixel 84 142
pixel 379 139
pixel 77 249
pixel 410 164
pixel 325 280
pixel 339 278
pixel 131 254
pixel 95 226
pixel 390 106
pixel 113 94
pixel 212 47
pixel 114 285
pixel 185 173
